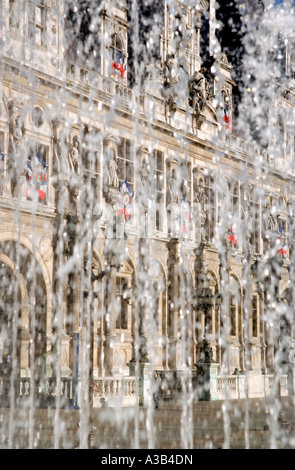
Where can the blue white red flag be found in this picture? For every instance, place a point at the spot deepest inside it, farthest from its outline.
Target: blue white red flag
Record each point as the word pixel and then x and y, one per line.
pixel 118 72
pixel 226 117
pixel 36 178
pixel 283 242
pixel 124 203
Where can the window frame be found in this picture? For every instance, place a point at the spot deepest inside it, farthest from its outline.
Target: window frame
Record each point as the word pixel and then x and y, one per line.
pixel 211 207
pixel 125 157
pixel 117 55
pixel 122 317
pixel 255 317
pixel 39 24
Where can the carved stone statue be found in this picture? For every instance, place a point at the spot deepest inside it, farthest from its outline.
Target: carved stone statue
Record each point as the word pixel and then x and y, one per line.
pixel 113 175
pixel 200 195
pixel 144 176
pixel 269 223
pixel 15 169
pixel 173 190
pixel 74 157
pixel 198 91
pixel 246 204
pixel 170 83
pixel 15 132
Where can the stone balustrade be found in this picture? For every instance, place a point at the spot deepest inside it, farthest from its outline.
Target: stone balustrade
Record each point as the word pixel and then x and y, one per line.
pixel 233 386
pixel 44 391
pixel 109 390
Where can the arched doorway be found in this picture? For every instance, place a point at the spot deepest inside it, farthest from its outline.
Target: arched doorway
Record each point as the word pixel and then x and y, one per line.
pixel 10 313
pixel 23 309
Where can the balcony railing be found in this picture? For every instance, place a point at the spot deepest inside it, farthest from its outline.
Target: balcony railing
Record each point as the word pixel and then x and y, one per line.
pixel 78 74
pixel 44 391
pixel 108 391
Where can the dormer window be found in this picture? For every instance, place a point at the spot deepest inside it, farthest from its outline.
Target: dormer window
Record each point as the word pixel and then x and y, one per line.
pixel 36 16
pixel 118 61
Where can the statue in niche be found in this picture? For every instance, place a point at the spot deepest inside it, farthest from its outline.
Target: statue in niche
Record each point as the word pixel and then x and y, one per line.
pixel 269 222
pixel 16 167
pixel 144 175
pixel 113 170
pixel 170 83
pixel 246 205
pixel 207 351
pixel 200 195
pixel 74 156
pixel 173 189
pixel 16 133
pixel 271 219
pixel 198 91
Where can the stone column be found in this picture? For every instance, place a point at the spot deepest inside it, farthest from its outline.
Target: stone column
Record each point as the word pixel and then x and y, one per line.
pixel 62 247
pixel 110 318
pixel 173 301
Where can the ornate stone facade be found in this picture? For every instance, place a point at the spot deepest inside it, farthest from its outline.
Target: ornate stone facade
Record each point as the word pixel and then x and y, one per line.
pixel 142 277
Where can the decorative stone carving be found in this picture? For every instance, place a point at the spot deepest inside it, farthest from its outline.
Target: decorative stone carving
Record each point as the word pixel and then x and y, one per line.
pixel 173 186
pixel 144 177
pixel 74 156
pixel 200 194
pixel 13 16
pixel 270 226
pixel 37 116
pixel 16 131
pixel 15 127
pixel 171 80
pixel 198 91
pixel 111 176
pixel 224 60
pixel 199 95
pixel 113 172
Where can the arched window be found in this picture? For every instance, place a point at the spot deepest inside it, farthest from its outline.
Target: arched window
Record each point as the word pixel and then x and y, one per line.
pixel 210 222
pixel 123 301
pixel 9 302
pixel 234 307
pixel 118 60
pixel 255 315
pixel 281 137
pixel 255 211
pixel 159 194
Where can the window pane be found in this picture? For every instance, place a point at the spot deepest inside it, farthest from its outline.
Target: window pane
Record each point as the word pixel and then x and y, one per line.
pixel 232 316
pixel 160 161
pixel 129 171
pixel 120 163
pixel 254 316
pixel 38 36
pixel 38 15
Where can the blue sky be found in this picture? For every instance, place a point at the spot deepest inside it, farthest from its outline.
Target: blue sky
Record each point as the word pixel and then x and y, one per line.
pixel 280 2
